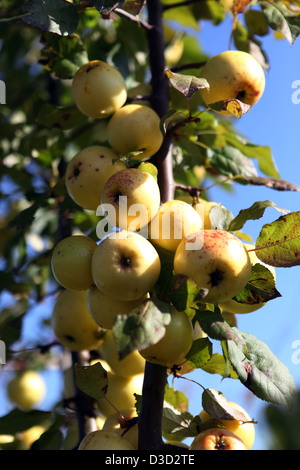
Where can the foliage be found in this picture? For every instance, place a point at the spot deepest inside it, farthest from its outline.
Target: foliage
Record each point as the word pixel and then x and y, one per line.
pixel 43 43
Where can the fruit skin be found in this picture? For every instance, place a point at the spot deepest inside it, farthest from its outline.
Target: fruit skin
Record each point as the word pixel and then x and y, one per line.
pixel 245 431
pixel 135 128
pixel 27 389
pixel 72 323
pixel 131 365
pixel 232 305
pixel 125 265
pixel 175 344
pixel 87 173
pixel 117 423
pixel 126 188
pixel 203 208
pixel 120 392
pixel 98 89
pixel 219 263
pixel 174 221
pixel 71 262
pixel 217 439
pixel 104 440
pixel 104 309
pixel 233 75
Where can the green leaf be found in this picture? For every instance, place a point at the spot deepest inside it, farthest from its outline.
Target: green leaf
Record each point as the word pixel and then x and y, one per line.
pixel 178 425
pixel 92 380
pixel 229 161
pixel 200 352
pixel 218 365
pixel 18 421
pixel 66 117
pixel 254 212
pixel 256 22
pixel 176 398
pixel 260 370
pixel 281 19
pixel 214 325
pixel 234 106
pixel 188 85
pixel 106 6
pixel 142 328
pixel 260 287
pixel 56 16
pixel 216 405
pixel 278 243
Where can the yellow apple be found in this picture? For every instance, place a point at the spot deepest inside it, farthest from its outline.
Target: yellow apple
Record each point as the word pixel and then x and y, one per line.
pixel 134 131
pixel 118 423
pixel 120 392
pixel 104 440
pixel 125 265
pixel 217 261
pixel 217 439
pixel 233 75
pixel 87 173
pixel 131 365
pixel 71 262
pixel 174 345
pixel 232 305
pixel 174 221
pixel 104 309
pixel 27 389
pixel 203 208
pixel 98 89
pixel 72 323
pixel 244 430
pixel 130 198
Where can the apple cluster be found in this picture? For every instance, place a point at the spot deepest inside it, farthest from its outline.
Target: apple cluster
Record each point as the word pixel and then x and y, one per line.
pixel 114 276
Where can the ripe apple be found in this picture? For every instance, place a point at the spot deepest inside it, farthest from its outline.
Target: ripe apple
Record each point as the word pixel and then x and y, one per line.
pixel 125 265
pixel 71 262
pixel 131 365
pixel 233 75
pixel 216 260
pixel 175 344
pixel 104 309
pixel 27 389
pixel 104 440
pixel 185 367
pixel 98 89
pixel 232 305
pixel 72 323
pixel 244 430
pixel 203 208
pixel 87 173
pixel 118 422
pixel 120 392
pixel 134 131
pixel 132 198
pixel 217 439
pixel 174 221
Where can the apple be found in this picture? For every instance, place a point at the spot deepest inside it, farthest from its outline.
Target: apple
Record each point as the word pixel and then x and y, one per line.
pixel 27 389
pixel 185 367
pixel 71 262
pixel 174 221
pixel 217 261
pixel 87 173
pixel 131 198
pixel 175 344
pixel 134 131
pixel 98 89
pixel 118 423
pixel 104 440
pixel 217 439
pixel 125 265
pixel 120 393
pixel 232 305
pixel 203 208
pixel 131 365
pixel 233 75
pixel 104 309
pixel 72 323
pixel 244 430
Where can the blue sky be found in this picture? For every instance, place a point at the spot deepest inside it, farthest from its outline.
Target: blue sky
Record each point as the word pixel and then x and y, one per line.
pixel 274 121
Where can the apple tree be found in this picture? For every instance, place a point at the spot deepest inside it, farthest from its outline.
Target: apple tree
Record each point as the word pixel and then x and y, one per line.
pixel 189 109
